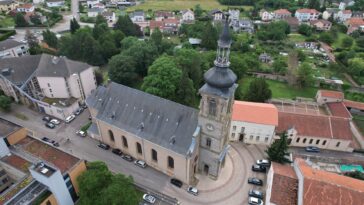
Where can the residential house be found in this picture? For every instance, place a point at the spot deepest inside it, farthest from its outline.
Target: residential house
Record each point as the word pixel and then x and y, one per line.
pixel 99 5
pixel 265 15
pixel 321 24
pixel 307 14
pixel 330 12
pixel 171 26
pixel 281 14
pixel 303 184
pixel 50 84
pixel 234 15
pixel 109 16
pixel 253 123
pixel 93 12
pixel 153 24
pixel 11 48
pixel 8 5
pixel 293 23
pixel 160 15
pixel 307 45
pixel 55 3
pixel 357 14
pixel 39 172
pixel 354 24
pixel 27 8
pixel 137 16
pixel 91 3
pixel 187 16
pixel 343 15
pixel 327 96
pixel 345 3
pixel 243 25
pixel 216 15
pixel 265 58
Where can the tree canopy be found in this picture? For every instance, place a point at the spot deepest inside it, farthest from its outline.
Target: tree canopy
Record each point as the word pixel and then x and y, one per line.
pixel 305 75
pixel 125 25
pixel 5 103
pixel 275 31
pixel 74 26
pixel 258 91
pixel 122 70
pixel 50 38
pixel 277 151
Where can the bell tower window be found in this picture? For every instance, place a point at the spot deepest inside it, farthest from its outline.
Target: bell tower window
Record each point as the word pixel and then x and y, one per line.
pixel 212 107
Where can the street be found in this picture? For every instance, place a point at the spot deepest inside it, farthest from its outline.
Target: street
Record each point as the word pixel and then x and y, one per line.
pixel 231 188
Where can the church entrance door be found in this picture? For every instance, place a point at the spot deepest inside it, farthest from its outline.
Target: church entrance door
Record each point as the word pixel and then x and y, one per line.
pixel 206 169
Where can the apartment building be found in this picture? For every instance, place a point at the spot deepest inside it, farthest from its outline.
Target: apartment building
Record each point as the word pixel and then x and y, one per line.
pixel 304 15
pixel 10 48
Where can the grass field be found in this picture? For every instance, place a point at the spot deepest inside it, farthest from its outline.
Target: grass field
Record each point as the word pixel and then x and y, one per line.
pixel 280 89
pixel 179 5
pixel 6 22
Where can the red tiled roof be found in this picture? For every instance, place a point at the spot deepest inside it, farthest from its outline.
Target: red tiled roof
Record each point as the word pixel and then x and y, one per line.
pixel 355 22
pixel 284 185
pixel 338 109
pixel 17 162
pixel 156 24
pixel 331 94
pixel 321 187
pixel 315 125
pixel 292 21
pixel 260 113
pixel 323 21
pixel 282 11
pixel 307 11
pixel 175 21
pixel 353 104
pixel 163 14
pixel 26 6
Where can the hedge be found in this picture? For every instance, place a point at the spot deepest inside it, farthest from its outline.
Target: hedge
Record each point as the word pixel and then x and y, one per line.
pixel 6 35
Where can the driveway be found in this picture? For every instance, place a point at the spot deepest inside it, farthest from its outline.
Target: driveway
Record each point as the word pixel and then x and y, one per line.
pixel 231 188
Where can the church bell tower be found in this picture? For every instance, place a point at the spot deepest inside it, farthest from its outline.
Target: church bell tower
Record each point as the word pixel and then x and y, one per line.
pixel 215 108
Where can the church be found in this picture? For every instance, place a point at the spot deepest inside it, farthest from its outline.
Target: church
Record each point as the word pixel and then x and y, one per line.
pixel 177 140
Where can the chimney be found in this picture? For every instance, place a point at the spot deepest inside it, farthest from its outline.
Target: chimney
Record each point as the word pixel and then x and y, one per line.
pixel 55 60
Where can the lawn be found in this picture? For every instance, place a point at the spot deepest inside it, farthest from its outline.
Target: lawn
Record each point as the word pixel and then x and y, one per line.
pixel 296 37
pixel 6 22
pixel 179 5
pixel 280 89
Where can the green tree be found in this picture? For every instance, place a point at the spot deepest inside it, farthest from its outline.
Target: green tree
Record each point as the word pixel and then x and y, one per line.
pixel 278 150
pixel 108 46
pixel 74 26
pixel 125 25
pixel 347 42
pixel 238 64
pixel 50 38
pixel 209 37
pixel 258 91
pixel 157 38
pixel 100 30
pixel 35 19
pixel 356 175
pixel 19 20
pixel 305 29
pixel 313 4
pixel 356 66
pixel 280 65
pixel 305 75
pixel 327 37
pixel 360 41
pixel 122 70
pixel 186 93
pixel 189 61
pixel 275 31
pixel 33 43
pixel 163 78
pixel 198 10
pixel 100 20
pixel 5 103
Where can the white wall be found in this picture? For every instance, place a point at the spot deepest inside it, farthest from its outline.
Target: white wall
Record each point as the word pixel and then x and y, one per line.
pixel 59 112
pixel 56 84
pixel 88 81
pixel 73 85
pixel 260 131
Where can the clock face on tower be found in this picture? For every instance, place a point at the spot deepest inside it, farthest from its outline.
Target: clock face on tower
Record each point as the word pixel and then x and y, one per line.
pixel 210 127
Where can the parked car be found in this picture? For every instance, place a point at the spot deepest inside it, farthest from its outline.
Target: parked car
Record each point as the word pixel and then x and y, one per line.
pixel 255 181
pixel 77 112
pixel 55 121
pixel 49 141
pixel 256 193
pixel 258 168
pixel 140 163
pixel 176 182
pixel 127 157
pixel 104 146
pixel 50 125
pixel 312 149
pixel 46 119
pixel 263 162
pixel 192 190
pixel 46 139
pixel 81 133
pixel 84 106
pixel 255 201
pixel 149 198
pixel 117 151
pixel 70 118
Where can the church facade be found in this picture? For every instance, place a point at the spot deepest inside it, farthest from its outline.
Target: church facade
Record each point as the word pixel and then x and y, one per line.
pixel 175 139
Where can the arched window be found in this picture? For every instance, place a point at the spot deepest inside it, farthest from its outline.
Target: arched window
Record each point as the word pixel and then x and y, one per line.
pixel 208 142
pixel 324 142
pixel 212 107
pixel 154 155
pixel 170 162
pixel 304 140
pixel 337 144
pixel 298 140
pixel 317 141
pixel 125 142
pixel 111 135
pixel 311 140
pixel 139 148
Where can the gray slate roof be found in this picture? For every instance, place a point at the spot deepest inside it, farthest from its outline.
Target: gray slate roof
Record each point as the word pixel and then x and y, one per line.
pixel 21 68
pixel 6 2
pixel 9 43
pixel 155 119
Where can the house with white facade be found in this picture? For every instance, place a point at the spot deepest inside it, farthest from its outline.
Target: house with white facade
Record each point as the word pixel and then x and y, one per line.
pixel 137 16
pixel 109 16
pixel 304 15
pixel 281 14
pixel 50 84
pixel 11 48
pixel 253 123
pixel 343 15
pixel 265 15
pixel 234 15
pixel 321 24
pixel 187 16
pixel 216 15
pixel 93 12
pixel 55 3
pixel 27 8
pixel 91 3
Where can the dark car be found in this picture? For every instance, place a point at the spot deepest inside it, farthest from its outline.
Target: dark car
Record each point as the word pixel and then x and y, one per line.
pixel 50 125
pixel 117 151
pixel 176 182
pixel 312 149
pixel 77 112
pixel 258 168
pixel 256 193
pixel 49 141
pixel 46 119
pixel 127 157
pixel 46 139
pixel 255 181
pixel 104 146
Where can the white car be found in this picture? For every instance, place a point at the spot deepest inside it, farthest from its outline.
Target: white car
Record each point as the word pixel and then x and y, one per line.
pixel 55 121
pixel 149 198
pixel 263 162
pixel 255 201
pixel 192 190
pixel 140 163
pixel 70 118
pixel 81 133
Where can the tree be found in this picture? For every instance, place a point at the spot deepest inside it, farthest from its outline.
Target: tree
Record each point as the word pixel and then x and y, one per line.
pixel 277 151
pixel 304 75
pixel 360 41
pixel 189 61
pixel 198 10
pixel 163 78
pixel 99 30
pixel 108 45
pixel 356 175
pixel 100 20
pixel 313 4
pixel 280 65
pixel 210 36
pixel 122 70
pixel 156 38
pixel 36 20
pixel 50 38
pixel 74 26
pixel 305 29
pixel 33 43
pixel 125 25
pixel 275 31
pixel 327 37
pixel 5 103
pixel 347 42
pixel 19 20
pixel 356 66
pixel 186 93
pixel 258 91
